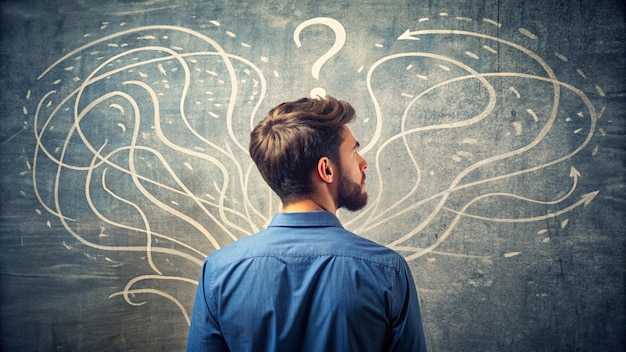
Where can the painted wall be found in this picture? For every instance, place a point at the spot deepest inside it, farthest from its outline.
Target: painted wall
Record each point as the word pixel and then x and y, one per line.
pixel 494 132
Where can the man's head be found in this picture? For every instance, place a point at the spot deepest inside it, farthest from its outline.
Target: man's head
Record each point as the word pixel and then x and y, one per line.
pixel 289 145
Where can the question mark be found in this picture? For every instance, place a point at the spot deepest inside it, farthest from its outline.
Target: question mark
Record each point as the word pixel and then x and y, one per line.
pixel 340 40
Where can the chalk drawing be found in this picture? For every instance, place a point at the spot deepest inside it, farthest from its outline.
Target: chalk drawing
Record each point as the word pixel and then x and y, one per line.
pixel 141 143
pixel 340 40
pixel 499 147
pixel 147 141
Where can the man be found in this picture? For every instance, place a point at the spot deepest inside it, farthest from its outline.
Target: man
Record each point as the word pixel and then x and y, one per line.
pixel 305 283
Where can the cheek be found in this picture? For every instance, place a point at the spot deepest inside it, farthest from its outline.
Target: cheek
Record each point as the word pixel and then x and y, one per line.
pixel 355 171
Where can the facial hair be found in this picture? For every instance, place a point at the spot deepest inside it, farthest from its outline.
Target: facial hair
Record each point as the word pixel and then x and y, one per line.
pixel 350 195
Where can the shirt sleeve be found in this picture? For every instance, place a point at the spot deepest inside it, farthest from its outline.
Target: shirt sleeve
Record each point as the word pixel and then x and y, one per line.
pixel 204 331
pixel 407 330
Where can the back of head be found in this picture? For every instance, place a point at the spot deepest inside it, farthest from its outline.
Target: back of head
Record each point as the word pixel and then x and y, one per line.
pixel 287 144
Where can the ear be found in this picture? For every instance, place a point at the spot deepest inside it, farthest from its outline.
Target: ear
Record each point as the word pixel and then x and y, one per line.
pixel 325 170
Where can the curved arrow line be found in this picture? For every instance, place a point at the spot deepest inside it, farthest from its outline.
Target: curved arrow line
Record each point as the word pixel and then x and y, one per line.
pixel 539 60
pixel 585 199
pixel 454 187
pixel 574 173
pixel 467 122
pixel 473 74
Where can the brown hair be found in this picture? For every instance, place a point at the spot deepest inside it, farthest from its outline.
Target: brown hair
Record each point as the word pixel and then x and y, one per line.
pixel 287 144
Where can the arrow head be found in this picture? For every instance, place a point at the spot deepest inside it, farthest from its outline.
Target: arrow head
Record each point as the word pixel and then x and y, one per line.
pixel 574 173
pixel 407 36
pixel 589 197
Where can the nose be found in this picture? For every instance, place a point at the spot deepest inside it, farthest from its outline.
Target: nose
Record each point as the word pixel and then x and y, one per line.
pixel 363 163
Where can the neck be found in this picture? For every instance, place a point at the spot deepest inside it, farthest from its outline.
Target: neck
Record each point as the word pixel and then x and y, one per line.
pixel 306 205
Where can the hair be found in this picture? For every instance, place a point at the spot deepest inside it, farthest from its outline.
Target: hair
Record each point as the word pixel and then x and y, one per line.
pixel 288 143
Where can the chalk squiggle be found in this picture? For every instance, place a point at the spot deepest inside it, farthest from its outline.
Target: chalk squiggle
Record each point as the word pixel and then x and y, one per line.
pixel 468 183
pixel 139 161
pixel 140 148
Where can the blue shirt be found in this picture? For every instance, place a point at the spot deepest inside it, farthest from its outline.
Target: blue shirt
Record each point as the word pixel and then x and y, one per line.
pixel 305 284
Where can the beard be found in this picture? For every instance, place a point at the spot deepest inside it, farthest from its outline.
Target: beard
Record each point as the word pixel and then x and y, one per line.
pixel 350 195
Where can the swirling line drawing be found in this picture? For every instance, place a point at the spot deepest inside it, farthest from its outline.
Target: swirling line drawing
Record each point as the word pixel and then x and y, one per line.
pixel 123 149
pixel 138 163
pixel 407 204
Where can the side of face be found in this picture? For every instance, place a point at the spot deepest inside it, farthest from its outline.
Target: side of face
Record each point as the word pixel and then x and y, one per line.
pixel 351 192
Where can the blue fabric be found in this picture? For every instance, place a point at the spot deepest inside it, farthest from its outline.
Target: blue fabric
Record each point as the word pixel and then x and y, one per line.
pixel 305 284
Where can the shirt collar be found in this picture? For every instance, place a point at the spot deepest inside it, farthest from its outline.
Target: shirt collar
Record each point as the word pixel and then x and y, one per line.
pixel 306 219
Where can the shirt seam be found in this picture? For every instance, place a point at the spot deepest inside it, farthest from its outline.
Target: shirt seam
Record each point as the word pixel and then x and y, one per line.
pixel 393 266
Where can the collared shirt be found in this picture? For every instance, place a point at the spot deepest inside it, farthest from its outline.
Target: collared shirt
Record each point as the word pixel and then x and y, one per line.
pixel 305 284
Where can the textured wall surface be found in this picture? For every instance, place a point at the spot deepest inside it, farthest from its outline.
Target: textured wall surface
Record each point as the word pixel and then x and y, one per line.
pixel 494 132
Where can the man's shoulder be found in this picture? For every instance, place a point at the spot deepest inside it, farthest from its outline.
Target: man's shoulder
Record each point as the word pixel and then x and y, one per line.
pixel 305 242
pixel 365 249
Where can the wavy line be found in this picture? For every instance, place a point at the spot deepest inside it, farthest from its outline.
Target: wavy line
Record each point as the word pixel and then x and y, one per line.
pixel 488 109
pixel 127 291
pixel 454 187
